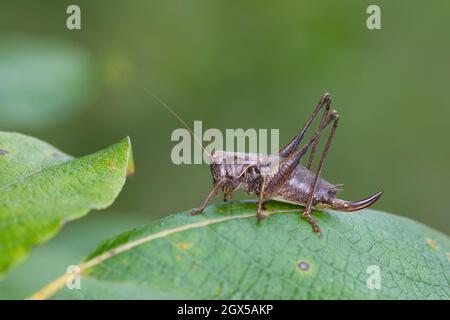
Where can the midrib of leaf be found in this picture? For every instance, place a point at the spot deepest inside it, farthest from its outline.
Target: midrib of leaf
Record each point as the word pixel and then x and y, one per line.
pixel 32 174
pixel 49 290
pixel 36 144
pixel 21 180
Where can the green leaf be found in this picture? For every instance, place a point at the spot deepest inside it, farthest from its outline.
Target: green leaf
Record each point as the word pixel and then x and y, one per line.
pixel 42 188
pixel 226 253
pixel 42 81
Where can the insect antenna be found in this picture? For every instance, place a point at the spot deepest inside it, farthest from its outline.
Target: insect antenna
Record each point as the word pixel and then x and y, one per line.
pixel 168 108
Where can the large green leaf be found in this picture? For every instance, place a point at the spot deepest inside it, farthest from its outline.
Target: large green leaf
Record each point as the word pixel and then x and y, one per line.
pixel 41 188
pixel 226 253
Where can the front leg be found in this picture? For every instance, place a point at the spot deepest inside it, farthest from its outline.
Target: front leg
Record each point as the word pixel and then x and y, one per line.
pixel 208 199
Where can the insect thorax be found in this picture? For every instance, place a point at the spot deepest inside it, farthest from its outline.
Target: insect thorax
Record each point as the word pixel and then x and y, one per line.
pixel 242 170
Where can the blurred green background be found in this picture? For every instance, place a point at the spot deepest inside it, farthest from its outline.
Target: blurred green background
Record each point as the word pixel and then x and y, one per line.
pixel 231 64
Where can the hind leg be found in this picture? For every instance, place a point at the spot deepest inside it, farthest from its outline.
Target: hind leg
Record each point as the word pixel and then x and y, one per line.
pixel 332 118
pixel 291 147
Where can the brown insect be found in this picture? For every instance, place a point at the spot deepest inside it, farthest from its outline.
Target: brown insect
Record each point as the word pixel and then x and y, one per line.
pixel 281 177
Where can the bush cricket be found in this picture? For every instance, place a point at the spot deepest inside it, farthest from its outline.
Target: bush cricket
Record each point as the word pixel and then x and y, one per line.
pixel 282 177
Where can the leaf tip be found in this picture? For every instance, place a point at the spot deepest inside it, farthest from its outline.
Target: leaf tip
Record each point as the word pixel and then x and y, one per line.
pixel 126 142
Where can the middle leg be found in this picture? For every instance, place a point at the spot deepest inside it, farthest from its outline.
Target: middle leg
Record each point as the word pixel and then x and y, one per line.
pixel 259 213
pixel 227 193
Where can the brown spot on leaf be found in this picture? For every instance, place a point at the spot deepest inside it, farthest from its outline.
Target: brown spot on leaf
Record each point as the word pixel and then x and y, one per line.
pixel 218 290
pixel 3 152
pixel 432 243
pixel 183 246
pixel 303 266
pixel 111 165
